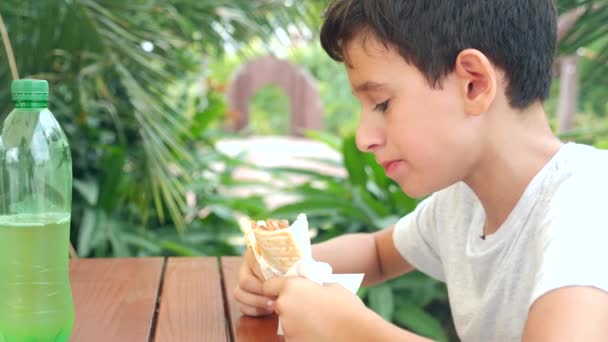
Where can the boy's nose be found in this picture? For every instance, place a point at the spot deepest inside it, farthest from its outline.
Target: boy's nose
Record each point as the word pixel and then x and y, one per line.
pixel 369 137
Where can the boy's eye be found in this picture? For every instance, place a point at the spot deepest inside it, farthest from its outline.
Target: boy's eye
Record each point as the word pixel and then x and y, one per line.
pixel 381 107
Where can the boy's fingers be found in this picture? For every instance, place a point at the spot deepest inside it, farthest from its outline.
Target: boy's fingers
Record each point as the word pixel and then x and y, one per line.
pixel 251 284
pixel 251 299
pixel 273 287
pixel 258 272
pixel 253 264
pixel 251 311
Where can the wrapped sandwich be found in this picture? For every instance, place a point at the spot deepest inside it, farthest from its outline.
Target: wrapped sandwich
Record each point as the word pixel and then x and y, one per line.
pixel 278 246
pixel 282 250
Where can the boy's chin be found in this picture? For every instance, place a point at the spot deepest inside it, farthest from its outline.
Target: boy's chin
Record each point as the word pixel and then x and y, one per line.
pixel 414 191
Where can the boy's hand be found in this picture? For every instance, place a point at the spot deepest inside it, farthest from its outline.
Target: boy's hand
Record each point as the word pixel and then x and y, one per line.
pixel 311 312
pixel 249 292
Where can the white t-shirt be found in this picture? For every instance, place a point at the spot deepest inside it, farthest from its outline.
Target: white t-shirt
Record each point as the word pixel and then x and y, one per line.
pixel 556 236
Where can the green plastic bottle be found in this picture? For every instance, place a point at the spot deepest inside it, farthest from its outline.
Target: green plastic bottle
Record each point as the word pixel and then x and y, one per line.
pixel 35 207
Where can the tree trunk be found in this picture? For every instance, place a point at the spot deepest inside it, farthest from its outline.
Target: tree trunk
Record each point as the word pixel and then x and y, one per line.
pixel 568 93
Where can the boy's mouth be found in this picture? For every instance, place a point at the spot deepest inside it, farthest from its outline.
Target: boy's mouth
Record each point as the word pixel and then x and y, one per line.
pixel 390 166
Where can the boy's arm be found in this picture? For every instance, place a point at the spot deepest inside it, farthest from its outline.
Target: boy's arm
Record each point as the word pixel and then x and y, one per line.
pixel 373 254
pixel 378 329
pixel 574 313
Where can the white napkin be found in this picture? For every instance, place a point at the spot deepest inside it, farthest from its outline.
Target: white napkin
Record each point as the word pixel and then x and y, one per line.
pixel 307 267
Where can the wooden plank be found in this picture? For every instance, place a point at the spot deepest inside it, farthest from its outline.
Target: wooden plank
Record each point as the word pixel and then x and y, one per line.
pixel 244 328
pixel 191 304
pixel 114 299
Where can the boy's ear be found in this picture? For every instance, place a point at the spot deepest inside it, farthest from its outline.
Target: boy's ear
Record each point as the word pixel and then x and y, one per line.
pixel 478 81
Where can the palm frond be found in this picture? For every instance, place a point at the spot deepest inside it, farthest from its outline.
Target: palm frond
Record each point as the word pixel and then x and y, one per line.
pixel 107 90
pixel 588 37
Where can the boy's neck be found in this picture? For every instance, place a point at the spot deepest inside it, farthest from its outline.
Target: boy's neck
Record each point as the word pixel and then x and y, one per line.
pixel 518 146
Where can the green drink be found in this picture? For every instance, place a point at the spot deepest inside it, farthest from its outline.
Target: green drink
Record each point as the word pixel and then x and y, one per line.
pixel 35 205
pixel 37 291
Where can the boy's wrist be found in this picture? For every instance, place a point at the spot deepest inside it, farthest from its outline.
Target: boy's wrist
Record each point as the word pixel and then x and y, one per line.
pixel 369 326
pixel 375 328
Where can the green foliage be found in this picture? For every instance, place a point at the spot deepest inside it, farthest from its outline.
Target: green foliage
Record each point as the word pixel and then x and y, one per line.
pixel 104 224
pixel 107 91
pixel 591 32
pixel 124 82
pixel 269 112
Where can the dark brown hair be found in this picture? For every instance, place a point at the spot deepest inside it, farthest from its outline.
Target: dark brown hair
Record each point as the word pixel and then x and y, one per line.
pixel 519 36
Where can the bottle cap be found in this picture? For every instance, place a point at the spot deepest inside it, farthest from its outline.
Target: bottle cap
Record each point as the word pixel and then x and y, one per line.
pixel 30 90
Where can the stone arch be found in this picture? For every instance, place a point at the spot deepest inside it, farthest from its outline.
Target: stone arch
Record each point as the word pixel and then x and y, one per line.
pixel 299 85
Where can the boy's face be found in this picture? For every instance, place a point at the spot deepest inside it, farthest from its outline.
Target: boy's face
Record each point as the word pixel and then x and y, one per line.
pixel 419 134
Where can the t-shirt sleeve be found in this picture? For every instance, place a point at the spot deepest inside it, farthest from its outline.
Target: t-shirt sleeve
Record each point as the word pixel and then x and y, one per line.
pixel 575 243
pixel 415 237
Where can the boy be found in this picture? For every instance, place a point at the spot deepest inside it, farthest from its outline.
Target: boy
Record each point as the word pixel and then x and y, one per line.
pixel 515 223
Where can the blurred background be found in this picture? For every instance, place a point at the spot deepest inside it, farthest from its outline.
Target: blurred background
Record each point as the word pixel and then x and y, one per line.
pixel 187 117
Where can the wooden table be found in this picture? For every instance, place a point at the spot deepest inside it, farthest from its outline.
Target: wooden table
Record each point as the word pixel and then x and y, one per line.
pixel 162 300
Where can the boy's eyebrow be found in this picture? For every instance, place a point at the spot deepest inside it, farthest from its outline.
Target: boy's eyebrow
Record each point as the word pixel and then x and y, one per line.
pixel 368 86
